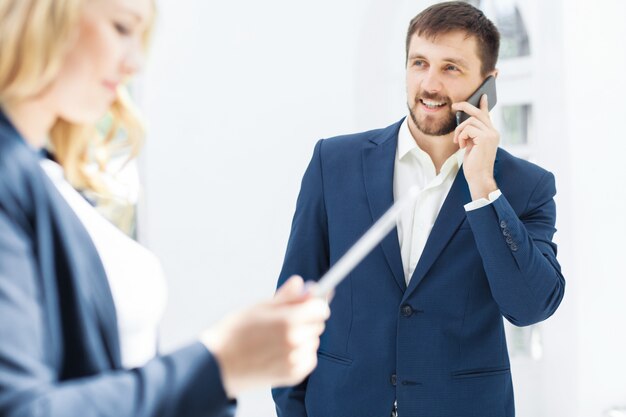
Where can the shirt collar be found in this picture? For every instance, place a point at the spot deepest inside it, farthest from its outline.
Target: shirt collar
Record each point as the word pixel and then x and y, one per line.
pixel 407 144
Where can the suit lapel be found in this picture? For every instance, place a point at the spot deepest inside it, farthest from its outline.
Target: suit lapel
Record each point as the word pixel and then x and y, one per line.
pixel 450 217
pixel 88 279
pixel 71 270
pixel 105 310
pixel 378 166
pixel 448 220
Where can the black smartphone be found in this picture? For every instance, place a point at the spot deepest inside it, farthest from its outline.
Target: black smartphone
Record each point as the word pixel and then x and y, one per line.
pixel 487 87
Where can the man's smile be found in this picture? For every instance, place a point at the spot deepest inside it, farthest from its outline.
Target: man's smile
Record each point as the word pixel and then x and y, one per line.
pixel 432 105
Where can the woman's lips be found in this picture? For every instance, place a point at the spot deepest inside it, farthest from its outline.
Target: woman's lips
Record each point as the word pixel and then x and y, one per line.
pixel 111 85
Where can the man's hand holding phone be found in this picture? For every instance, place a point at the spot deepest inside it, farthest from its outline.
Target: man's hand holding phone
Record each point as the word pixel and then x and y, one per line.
pixel 480 139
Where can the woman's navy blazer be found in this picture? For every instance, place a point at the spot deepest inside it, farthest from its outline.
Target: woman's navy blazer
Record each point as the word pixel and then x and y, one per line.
pixel 59 347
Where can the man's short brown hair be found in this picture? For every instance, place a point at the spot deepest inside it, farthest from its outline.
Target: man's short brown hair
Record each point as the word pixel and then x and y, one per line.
pixel 453 16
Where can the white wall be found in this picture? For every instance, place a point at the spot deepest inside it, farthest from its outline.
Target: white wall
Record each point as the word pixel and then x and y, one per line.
pixel 595 58
pixel 236 94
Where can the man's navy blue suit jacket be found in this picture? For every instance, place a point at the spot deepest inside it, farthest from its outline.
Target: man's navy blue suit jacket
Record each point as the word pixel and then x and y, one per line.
pixel 59 347
pixel 438 345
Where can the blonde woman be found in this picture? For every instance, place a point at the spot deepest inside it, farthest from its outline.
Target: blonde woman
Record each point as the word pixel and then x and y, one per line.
pixel 72 340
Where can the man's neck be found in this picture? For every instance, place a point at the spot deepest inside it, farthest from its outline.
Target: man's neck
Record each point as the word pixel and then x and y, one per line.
pixel 439 148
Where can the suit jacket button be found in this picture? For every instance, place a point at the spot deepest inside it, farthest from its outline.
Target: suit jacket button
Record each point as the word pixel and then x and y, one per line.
pixel 406 310
pixel 394 380
pixel 506 232
pixel 513 247
pixel 503 224
pixel 509 240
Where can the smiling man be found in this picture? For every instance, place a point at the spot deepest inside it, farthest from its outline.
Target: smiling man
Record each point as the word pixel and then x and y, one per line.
pixel 416 329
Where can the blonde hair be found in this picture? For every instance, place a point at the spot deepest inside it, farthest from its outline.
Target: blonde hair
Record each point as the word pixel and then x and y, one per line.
pixel 34 37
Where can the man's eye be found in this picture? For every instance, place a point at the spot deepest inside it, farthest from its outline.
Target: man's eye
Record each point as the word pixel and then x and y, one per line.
pixel 452 68
pixel 418 63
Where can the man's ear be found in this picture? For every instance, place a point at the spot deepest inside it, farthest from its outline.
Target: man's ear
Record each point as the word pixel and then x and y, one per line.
pixel 494 73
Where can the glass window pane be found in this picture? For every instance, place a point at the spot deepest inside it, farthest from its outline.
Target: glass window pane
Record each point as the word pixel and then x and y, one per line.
pixel 513 35
pixel 515 124
pixel 507 17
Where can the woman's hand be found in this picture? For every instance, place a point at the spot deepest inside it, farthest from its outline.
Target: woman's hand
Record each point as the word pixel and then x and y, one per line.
pixel 272 343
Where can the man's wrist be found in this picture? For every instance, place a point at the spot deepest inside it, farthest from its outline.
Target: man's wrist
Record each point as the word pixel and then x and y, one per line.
pixel 482 188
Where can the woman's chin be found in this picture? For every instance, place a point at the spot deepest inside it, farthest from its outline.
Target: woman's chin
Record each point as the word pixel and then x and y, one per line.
pixel 86 115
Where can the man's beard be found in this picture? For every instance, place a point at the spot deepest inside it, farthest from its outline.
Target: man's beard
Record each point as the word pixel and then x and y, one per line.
pixel 431 128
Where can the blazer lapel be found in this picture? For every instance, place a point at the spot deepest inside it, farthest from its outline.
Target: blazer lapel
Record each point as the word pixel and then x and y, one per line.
pixel 71 270
pixel 105 310
pixel 450 217
pixel 378 166
pixel 90 284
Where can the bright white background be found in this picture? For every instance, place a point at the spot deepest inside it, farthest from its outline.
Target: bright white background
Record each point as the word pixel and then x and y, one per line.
pixel 237 92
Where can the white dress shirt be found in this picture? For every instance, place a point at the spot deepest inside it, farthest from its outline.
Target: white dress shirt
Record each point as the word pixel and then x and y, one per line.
pixel 134 274
pixel 412 167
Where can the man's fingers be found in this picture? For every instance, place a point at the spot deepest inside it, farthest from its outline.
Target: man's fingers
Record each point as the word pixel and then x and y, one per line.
pixel 472 121
pixel 481 113
pixel 484 103
pixel 468 134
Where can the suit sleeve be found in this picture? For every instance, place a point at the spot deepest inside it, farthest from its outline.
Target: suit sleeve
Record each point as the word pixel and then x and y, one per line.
pixel 519 256
pixel 184 383
pixel 307 255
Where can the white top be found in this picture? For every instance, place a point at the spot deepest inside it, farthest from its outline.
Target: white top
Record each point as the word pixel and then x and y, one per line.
pixel 412 167
pixel 135 275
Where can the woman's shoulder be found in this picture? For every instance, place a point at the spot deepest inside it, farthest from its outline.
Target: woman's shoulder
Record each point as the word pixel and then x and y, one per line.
pixel 20 176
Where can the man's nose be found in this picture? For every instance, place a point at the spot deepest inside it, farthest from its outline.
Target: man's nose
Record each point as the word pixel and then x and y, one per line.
pixel 432 81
